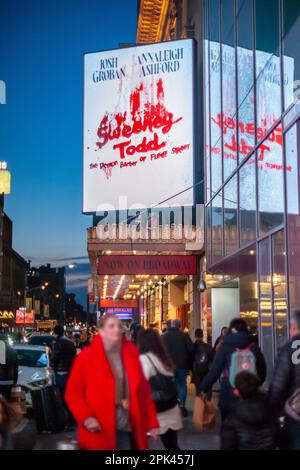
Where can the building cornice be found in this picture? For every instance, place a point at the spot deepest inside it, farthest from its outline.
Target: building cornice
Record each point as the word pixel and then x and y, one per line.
pixel 151 21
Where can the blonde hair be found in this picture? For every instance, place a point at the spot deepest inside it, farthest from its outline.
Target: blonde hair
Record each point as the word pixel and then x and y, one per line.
pixel 105 318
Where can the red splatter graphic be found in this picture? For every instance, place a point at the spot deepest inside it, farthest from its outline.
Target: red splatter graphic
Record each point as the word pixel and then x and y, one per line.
pixel 147 117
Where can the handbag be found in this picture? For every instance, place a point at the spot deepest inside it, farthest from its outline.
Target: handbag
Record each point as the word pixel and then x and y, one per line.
pixel 204 414
pixel 292 406
pixel 163 390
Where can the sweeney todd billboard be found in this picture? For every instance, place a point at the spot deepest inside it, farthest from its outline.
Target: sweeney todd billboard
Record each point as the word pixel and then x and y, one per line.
pixel 138 126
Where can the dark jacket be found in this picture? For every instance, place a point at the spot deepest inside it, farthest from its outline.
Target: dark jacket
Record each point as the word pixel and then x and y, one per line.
pixel 205 352
pixel 9 371
pixel 251 426
pixel 221 365
pixel 63 355
pixel 286 374
pixel 179 346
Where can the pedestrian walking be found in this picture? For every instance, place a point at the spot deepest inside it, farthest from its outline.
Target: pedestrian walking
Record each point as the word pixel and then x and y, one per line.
pixel 286 382
pixel 8 367
pixel 219 341
pixel 203 358
pixel 180 348
pixel 109 395
pixel 64 353
pixel 237 353
pixel 155 361
pixel 252 424
pixel 84 340
pixel 135 328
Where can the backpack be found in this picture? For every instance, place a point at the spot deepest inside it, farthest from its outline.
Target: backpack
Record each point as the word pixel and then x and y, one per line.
pixel 201 362
pixel 163 390
pixel 241 360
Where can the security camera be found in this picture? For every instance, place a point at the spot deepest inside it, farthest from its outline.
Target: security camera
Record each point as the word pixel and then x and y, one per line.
pixel 202 286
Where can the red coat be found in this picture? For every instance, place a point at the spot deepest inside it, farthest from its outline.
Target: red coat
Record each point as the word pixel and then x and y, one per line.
pixel 90 392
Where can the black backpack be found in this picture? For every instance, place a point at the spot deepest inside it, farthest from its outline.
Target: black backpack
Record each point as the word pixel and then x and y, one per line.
pixel 201 361
pixel 163 390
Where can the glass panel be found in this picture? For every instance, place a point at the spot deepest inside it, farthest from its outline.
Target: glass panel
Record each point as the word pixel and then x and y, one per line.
pixel 230 216
pixel 245 78
pixel 268 98
pixel 291 63
pixel 265 305
pixel 247 202
pixel 270 182
pixel 293 214
pixel 215 97
pixel 248 289
pixel 207 110
pixel 228 88
pixel 208 234
pixel 279 289
pixel 217 228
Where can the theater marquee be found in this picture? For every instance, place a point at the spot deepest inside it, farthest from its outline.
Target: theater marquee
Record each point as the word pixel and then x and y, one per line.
pixel 138 126
pixel 147 264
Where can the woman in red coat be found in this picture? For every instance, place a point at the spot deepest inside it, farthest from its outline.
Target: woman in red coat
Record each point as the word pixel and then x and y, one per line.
pixel 108 394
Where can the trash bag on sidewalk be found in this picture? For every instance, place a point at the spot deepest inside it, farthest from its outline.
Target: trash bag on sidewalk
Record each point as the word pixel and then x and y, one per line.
pixel 204 415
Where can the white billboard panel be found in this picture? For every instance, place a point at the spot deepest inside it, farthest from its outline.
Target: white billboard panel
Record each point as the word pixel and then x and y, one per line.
pixel 138 126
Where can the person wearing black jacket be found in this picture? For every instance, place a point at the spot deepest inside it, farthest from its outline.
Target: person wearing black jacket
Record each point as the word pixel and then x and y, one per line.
pixel 252 424
pixel 8 367
pixel 202 360
pixel 180 348
pixel 238 338
pixel 286 380
pixel 63 355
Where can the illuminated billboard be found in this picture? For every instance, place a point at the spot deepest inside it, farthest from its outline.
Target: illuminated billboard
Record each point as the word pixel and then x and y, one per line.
pixel 138 127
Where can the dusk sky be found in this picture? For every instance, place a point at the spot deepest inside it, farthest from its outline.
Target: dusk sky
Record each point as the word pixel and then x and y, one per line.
pixel 41 60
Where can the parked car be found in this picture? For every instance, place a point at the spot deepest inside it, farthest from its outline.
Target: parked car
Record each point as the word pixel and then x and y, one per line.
pixel 34 368
pixel 41 340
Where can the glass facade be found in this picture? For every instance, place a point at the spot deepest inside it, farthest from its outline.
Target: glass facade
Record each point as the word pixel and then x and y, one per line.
pixel 252 83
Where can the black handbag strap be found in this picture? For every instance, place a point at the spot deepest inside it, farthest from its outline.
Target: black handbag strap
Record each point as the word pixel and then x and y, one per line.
pixel 154 367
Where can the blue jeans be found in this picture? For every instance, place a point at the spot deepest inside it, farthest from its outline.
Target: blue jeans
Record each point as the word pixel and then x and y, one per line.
pixel 180 379
pixel 291 433
pixel 123 440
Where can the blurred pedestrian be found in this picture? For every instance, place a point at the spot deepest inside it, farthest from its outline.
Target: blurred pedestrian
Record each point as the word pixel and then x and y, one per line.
pixel 155 360
pixel 286 382
pixel 237 353
pixel 219 341
pixel 109 395
pixel 63 355
pixel 84 340
pixel 203 358
pixel 252 424
pixel 8 419
pixel 180 348
pixel 134 331
pixel 8 367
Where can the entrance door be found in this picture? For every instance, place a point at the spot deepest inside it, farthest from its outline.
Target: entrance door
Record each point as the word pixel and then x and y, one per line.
pixel 225 305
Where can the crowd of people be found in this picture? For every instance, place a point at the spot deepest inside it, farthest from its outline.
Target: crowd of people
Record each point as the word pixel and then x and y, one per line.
pixel 120 387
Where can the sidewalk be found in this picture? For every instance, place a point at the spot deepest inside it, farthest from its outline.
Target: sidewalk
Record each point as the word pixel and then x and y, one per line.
pixel 189 439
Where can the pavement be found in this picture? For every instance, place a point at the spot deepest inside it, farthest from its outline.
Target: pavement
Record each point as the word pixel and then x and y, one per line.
pixel 26 436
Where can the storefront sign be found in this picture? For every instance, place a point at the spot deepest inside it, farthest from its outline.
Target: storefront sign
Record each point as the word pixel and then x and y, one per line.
pixel 118 303
pixel 123 313
pixel 5 315
pixel 147 264
pixel 22 317
pixel 138 126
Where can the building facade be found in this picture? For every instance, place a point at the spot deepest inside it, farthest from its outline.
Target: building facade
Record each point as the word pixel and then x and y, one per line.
pixel 46 292
pixel 252 72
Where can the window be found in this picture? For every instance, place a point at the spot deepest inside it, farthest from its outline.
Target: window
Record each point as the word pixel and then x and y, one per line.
pixel 265 304
pixel 230 216
pixel 215 96
pixel 270 182
pixel 268 97
pixel 247 182
pixel 228 88
pixel 291 63
pixel 208 234
pixel 217 228
pixel 245 78
pixel 279 289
